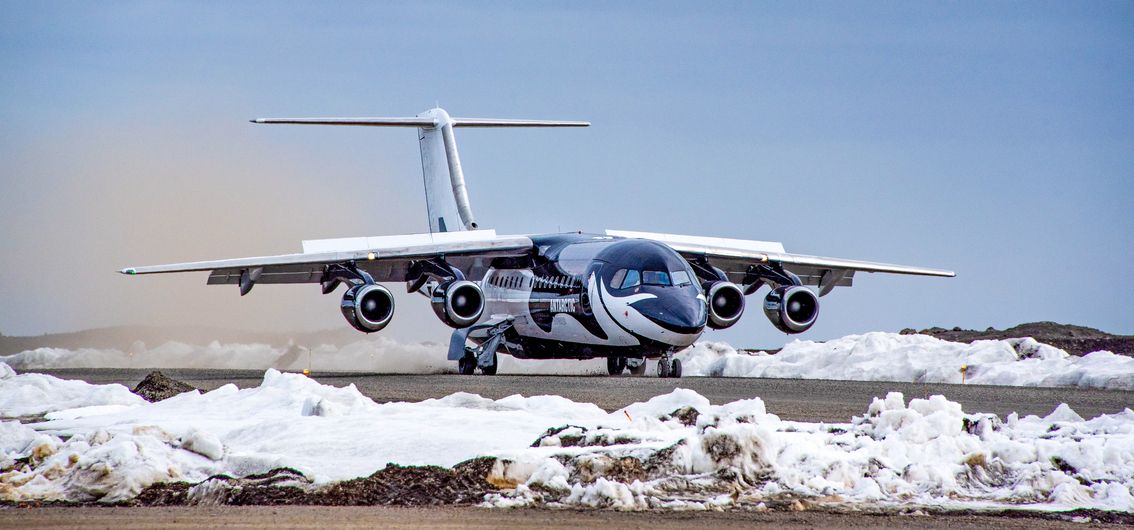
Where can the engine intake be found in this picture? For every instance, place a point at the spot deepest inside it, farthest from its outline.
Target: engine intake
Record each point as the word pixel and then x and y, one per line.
pixel 726 304
pixel 368 308
pixel 792 308
pixel 458 304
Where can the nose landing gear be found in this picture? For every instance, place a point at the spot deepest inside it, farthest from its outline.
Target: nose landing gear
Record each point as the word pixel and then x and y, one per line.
pixel 668 367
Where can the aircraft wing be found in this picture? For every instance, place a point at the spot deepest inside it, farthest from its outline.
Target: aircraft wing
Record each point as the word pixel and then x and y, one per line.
pixel 385 258
pixel 734 256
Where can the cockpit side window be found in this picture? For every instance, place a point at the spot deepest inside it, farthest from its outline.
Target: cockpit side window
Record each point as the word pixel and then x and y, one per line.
pixel 656 278
pixel 616 280
pixel 680 278
pixel 633 279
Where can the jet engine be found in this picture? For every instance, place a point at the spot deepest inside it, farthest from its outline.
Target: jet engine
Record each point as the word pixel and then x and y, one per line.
pixel 726 304
pixel 368 307
pixel 458 304
pixel 791 308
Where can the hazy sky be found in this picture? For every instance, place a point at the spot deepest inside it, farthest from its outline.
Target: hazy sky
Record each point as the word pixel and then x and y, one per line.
pixel 995 139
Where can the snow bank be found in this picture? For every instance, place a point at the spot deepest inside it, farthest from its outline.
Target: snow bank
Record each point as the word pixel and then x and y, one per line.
pixel 330 434
pixel 916 358
pixel 36 394
pixel 927 452
pixel 378 354
pixel 673 451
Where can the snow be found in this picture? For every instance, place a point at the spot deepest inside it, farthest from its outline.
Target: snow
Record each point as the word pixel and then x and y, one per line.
pixel 916 358
pixel 674 451
pixel 36 394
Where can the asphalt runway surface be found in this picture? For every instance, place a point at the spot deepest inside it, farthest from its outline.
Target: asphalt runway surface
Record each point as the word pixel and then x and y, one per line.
pixel 790 399
pixel 123 518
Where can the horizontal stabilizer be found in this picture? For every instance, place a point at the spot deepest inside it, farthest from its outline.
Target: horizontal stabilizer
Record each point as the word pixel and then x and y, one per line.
pixel 446 197
pixel 364 122
pixel 426 122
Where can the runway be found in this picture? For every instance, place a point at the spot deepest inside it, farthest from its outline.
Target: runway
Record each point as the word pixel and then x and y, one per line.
pixel 791 399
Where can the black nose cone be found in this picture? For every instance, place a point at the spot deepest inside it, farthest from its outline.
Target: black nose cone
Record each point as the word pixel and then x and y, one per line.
pixel 676 311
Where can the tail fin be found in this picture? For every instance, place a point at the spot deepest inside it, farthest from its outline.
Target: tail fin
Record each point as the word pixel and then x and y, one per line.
pixel 445 195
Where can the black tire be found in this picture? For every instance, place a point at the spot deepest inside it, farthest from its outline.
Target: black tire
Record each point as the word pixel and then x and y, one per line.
pixel 675 369
pixel 663 369
pixel 615 365
pixel 490 370
pixel 467 365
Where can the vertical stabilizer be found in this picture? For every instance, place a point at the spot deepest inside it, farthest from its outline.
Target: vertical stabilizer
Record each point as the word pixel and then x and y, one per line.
pixel 446 197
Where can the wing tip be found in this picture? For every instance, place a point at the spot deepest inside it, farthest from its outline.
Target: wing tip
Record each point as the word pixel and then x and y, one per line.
pixel 128 271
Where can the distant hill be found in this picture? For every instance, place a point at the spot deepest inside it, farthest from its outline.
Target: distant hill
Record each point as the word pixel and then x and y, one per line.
pixel 1076 340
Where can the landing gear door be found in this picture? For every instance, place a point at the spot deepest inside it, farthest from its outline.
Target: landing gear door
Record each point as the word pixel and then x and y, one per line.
pixel 457 344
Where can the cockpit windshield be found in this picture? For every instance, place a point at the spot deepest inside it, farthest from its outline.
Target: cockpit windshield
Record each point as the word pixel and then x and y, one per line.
pixel 627 278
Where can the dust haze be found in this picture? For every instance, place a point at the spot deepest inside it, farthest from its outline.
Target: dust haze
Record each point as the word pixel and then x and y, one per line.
pixel 87 198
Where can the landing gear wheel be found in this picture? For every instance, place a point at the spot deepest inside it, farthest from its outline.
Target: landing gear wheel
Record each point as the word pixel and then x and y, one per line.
pixel 675 368
pixel 467 365
pixel 663 367
pixel 490 370
pixel 640 369
pixel 615 365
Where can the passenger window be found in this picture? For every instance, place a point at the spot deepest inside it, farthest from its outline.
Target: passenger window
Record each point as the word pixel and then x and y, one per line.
pixel 655 278
pixel 633 279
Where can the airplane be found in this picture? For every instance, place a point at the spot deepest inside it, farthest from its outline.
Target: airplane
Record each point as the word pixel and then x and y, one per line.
pixel 626 296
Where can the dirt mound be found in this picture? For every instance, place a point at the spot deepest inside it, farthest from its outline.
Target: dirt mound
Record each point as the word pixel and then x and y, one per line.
pixel 414 486
pixel 156 387
pixel 1076 340
pixel 394 485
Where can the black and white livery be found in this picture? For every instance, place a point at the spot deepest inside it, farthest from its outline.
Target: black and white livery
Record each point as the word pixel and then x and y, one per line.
pixel 625 296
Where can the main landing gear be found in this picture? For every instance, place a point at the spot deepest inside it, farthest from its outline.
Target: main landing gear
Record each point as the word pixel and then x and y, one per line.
pixel 468 364
pixel 482 356
pixel 615 365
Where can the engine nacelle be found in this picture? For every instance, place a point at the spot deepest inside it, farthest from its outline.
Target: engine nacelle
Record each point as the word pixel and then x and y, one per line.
pixel 792 308
pixel 458 304
pixel 726 304
pixel 368 307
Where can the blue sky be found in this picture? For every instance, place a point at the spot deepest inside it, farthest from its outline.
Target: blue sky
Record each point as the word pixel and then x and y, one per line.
pixel 995 139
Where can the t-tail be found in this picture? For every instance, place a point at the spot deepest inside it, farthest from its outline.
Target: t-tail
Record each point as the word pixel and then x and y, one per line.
pixel 446 198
